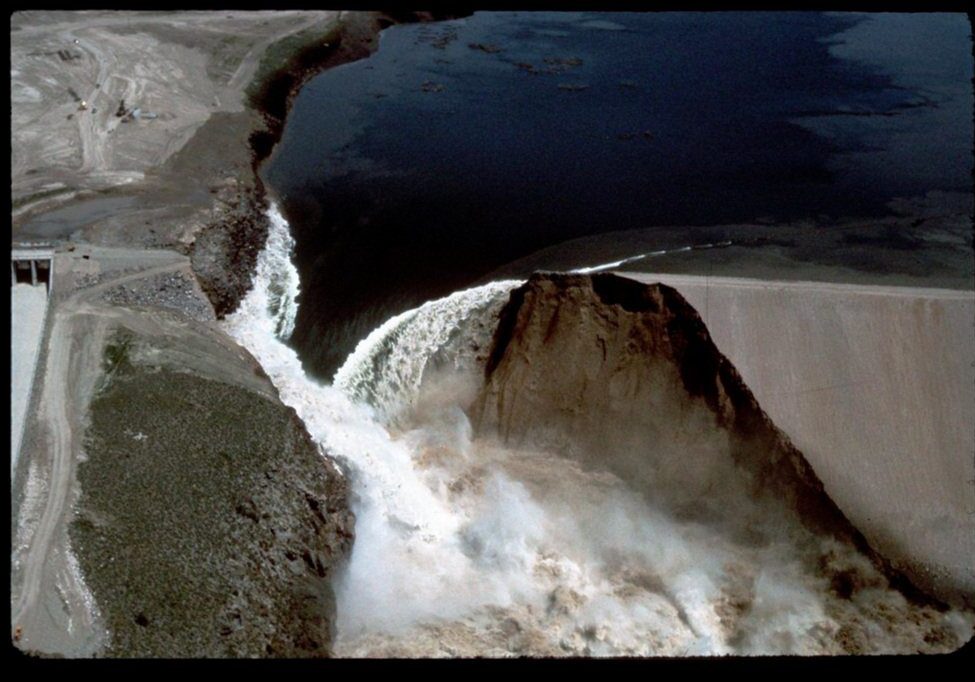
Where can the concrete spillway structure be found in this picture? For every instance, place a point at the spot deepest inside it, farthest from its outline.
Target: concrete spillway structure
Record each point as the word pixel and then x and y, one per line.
pixel 876 387
pixel 31 281
pixel 30 265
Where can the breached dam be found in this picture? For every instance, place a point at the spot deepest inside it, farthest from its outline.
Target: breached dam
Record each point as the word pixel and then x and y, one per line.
pixel 30 275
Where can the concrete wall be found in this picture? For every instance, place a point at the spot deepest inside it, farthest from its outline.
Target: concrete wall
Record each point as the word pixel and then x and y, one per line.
pixel 28 308
pixel 31 266
pixel 876 386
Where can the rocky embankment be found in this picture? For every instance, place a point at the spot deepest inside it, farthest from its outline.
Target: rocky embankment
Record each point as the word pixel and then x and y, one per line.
pixel 224 254
pixel 209 524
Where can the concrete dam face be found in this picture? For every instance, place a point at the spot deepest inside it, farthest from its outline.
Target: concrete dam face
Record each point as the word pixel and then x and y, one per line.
pixel 30 283
pixel 570 466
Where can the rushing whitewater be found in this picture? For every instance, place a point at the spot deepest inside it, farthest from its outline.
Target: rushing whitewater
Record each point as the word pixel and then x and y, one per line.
pixel 464 547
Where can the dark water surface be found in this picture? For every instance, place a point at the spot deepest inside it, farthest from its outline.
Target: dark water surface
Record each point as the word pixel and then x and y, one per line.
pixel 461 146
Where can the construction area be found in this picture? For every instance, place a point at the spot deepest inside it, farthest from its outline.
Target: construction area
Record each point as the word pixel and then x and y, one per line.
pixel 101 100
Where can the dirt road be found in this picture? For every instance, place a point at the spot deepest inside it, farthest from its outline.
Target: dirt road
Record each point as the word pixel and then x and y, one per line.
pixel 50 603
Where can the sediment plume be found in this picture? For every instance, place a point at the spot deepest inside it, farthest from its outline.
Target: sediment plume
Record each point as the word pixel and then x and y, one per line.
pixel 568 467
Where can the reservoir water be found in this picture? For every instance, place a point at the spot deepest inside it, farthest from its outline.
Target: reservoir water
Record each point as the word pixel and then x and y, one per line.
pixel 464 145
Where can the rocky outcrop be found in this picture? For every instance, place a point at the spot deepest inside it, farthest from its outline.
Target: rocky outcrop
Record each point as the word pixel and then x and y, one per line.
pixel 209 523
pixel 224 255
pixel 625 376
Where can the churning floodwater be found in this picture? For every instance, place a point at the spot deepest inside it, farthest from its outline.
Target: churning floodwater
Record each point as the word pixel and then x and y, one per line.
pixel 465 547
pixel 461 146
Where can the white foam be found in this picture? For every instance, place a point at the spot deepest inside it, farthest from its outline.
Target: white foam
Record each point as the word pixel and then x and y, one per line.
pixel 610 266
pixel 632 259
pixel 387 367
pixel 464 547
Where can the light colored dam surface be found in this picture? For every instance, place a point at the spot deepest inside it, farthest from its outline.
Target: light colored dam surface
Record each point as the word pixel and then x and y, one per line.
pixel 876 386
pixel 28 306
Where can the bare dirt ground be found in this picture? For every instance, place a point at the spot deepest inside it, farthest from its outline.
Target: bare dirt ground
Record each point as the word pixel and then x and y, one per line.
pixel 183 67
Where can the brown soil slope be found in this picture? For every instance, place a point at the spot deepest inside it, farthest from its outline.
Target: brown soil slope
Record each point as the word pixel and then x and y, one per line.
pixel 625 375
